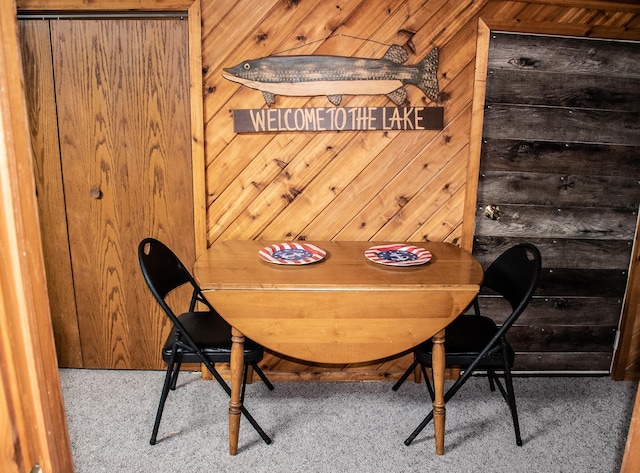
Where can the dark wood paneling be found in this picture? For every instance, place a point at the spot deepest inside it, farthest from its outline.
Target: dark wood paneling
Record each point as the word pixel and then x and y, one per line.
pixel 562 253
pixel 573 125
pixel 558 56
pixel 582 283
pixel 542 188
pixel 559 338
pixel 559 157
pixel 562 361
pixel 566 311
pixel 556 222
pixel 589 91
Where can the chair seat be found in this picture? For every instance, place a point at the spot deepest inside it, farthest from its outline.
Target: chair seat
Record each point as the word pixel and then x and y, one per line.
pixel 464 339
pixel 212 334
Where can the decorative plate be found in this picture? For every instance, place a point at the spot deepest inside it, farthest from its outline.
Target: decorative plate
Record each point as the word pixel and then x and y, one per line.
pixel 292 253
pixel 398 255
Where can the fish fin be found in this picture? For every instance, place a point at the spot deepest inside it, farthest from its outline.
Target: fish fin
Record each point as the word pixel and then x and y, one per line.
pixel 396 54
pixel 335 99
pixel 398 96
pixel 428 80
pixel 269 97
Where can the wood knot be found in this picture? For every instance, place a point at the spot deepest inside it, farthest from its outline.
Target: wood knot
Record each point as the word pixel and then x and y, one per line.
pixel 524 62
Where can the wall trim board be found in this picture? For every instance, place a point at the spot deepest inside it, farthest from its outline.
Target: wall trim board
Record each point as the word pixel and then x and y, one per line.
pixel 555 29
pixel 475 135
pixel 619 5
pixel 108 5
pixel 193 8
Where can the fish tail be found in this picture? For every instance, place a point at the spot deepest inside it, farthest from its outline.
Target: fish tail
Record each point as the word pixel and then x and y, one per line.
pixel 428 75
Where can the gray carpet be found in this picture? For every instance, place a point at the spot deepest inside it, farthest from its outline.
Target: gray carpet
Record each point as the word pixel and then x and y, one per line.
pixel 568 425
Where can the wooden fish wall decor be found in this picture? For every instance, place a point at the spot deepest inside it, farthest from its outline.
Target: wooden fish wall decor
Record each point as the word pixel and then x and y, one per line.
pixel 335 76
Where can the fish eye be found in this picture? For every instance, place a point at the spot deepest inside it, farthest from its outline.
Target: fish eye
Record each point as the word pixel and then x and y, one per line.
pixel 247 65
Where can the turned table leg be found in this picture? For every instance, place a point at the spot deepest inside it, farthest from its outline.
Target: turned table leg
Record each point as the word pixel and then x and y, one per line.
pixel 235 403
pixel 439 411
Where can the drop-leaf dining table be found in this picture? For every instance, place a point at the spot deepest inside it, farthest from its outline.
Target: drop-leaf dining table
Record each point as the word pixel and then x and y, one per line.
pixel 341 309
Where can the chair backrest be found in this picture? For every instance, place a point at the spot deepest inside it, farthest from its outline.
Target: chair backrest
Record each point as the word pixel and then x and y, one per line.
pixel 514 275
pixel 163 271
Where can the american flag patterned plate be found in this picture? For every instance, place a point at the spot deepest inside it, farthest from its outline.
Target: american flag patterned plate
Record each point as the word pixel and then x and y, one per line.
pixel 292 253
pixel 398 255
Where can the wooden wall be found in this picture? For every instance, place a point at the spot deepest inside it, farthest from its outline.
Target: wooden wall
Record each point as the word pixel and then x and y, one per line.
pixel 415 186
pixel 370 185
pixel 560 147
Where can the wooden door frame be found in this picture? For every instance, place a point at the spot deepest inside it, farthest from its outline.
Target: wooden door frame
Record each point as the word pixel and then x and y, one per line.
pixel 623 366
pixel 192 7
pixel 31 406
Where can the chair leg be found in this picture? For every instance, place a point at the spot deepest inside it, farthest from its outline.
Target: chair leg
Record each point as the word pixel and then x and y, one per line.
pixel 168 381
pixel 174 379
pixel 512 403
pixel 502 390
pixel 243 409
pixel 491 375
pixel 432 394
pixel 245 375
pixel 447 396
pixel 405 375
pixel 263 377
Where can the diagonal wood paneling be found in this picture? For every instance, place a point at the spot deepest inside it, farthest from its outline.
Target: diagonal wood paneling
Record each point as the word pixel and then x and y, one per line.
pixel 355 185
pixel 299 185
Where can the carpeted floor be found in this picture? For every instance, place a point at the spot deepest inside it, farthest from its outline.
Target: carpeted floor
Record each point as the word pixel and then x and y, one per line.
pixel 568 425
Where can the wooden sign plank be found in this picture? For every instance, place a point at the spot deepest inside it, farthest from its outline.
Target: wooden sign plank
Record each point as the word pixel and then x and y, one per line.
pixel 337 119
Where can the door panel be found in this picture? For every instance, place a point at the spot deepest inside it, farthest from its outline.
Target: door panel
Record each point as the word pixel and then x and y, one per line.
pixel 124 124
pixel 35 42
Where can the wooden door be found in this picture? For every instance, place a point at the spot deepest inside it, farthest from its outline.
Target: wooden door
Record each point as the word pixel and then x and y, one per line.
pixel 122 106
pixel 560 160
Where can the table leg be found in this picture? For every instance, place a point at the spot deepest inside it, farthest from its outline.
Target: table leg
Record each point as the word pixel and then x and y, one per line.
pixel 235 403
pixel 439 411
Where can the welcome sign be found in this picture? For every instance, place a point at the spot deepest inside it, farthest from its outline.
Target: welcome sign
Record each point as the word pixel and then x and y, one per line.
pixel 338 119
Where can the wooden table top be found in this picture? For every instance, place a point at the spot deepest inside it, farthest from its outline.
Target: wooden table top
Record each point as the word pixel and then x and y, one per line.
pixel 343 309
pixel 235 264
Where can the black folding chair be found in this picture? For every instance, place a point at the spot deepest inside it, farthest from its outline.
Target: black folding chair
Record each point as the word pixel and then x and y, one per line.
pixel 196 336
pixel 474 342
